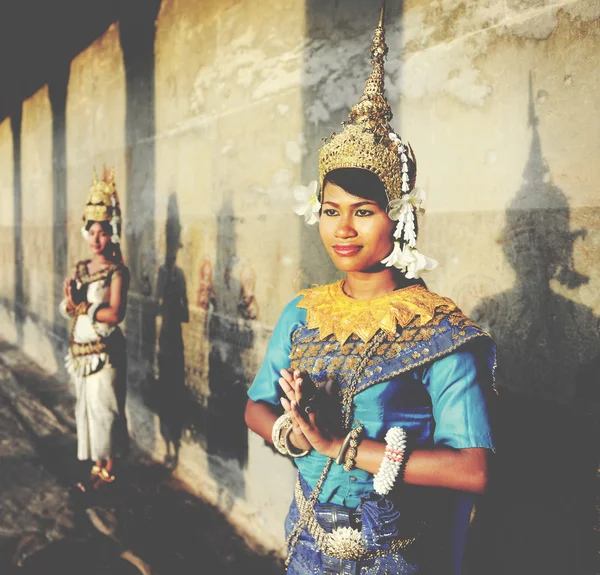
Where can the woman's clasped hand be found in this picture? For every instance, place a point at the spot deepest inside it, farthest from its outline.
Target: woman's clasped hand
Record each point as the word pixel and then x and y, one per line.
pixel 309 408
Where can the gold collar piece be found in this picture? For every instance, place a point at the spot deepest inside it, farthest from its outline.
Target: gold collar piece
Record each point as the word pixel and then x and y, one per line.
pixel 331 311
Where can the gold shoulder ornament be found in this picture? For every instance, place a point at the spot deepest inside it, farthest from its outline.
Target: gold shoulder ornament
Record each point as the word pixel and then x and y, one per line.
pixel 331 311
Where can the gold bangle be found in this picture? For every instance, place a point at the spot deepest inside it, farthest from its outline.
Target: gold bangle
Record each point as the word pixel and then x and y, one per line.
pixel 342 452
pixel 290 448
pixel 282 423
pixel 355 439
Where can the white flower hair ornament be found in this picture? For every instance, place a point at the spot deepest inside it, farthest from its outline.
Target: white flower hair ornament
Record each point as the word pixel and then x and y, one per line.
pixel 307 202
pixel 407 258
pixel 409 261
pixel 114 222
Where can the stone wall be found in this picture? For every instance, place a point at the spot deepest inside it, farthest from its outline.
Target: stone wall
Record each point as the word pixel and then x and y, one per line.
pixel 212 112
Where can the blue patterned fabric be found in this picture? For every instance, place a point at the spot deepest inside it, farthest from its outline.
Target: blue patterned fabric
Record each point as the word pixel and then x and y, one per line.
pixel 443 402
pixel 379 520
pixel 432 380
pixel 307 557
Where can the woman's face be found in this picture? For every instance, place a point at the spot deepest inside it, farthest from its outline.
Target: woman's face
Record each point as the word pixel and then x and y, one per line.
pixel 357 232
pixel 97 238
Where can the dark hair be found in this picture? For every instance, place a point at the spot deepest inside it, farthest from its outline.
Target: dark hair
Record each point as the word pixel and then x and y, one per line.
pixel 115 249
pixel 359 182
pixel 106 227
pixel 363 184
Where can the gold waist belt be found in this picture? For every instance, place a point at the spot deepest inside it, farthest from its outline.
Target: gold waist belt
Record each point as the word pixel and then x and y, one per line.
pixel 91 348
pixel 342 542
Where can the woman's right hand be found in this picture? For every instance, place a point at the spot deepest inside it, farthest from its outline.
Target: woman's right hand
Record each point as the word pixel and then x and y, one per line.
pixel 68 293
pixel 286 381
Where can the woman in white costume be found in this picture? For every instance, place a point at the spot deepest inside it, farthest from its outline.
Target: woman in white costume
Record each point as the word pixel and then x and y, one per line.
pixel 96 299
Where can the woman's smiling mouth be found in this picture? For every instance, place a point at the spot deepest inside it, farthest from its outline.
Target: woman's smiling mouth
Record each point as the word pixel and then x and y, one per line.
pixel 346 250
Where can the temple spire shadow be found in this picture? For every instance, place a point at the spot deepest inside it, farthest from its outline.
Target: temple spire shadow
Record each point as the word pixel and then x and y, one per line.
pixel 541 508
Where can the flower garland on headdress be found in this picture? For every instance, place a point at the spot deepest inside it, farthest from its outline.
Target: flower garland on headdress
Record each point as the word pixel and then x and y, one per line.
pixel 369 143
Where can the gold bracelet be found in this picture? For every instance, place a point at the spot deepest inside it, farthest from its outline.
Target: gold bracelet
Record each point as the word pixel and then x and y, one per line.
pixel 342 452
pixel 283 423
pixel 290 448
pixel 355 439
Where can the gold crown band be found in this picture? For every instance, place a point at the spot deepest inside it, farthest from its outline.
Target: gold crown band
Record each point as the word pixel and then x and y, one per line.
pixel 103 201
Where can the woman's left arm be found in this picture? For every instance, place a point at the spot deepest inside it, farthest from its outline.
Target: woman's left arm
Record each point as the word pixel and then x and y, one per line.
pixel 114 312
pixel 462 437
pixel 461 469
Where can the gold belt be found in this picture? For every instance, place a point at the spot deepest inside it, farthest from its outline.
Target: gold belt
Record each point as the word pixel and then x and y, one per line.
pixel 91 348
pixel 342 542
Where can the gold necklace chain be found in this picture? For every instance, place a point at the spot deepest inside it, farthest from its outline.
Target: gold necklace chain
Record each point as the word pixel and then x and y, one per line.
pixel 347 407
pixel 350 392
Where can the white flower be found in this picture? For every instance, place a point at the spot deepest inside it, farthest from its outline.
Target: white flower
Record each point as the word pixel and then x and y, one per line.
pixel 409 260
pixel 114 224
pixel 417 197
pixel 84 233
pixel 420 263
pixel 307 202
pixel 398 209
pixel 395 258
pixel 403 211
pixel 406 224
pixel 407 230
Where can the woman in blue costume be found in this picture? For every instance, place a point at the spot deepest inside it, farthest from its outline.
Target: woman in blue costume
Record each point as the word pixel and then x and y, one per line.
pixel 384 385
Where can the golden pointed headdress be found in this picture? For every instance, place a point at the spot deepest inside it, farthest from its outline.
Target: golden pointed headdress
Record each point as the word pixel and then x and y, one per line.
pixel 367 140
pixel 103 203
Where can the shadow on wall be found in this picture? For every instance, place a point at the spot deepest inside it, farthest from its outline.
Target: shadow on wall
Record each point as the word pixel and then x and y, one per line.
pixel 216 421
pixel 137 34
pixel 231 336
pixel 38 41
pixel 16 120
pixel 171 292
pixel 58 85
pixel 541 510
pixel 56 327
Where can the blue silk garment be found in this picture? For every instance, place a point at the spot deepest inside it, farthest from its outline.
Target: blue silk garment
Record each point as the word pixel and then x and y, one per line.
pixel 432 380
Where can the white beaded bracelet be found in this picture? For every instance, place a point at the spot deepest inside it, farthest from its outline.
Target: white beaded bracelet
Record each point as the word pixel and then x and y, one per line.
pixel 384 479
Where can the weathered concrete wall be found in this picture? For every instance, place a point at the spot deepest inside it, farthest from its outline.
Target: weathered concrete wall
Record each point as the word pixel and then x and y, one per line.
pixel 211 113
pixel 7 238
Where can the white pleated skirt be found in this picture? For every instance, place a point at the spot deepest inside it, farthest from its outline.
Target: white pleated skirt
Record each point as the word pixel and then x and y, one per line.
pixel 100 413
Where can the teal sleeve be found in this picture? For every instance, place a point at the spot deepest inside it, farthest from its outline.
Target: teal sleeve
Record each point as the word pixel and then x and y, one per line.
pixel 459 386
pixel 265 386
